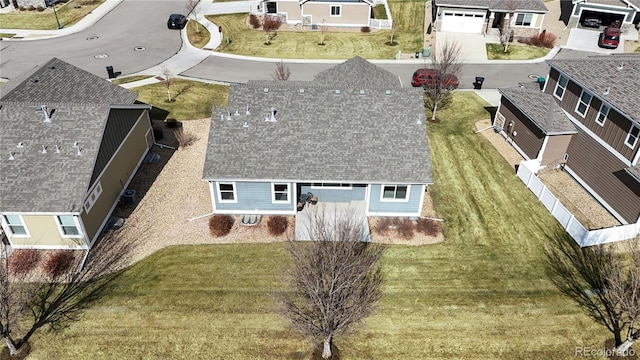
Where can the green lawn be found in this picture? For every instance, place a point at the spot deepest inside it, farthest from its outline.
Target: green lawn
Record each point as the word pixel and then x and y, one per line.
pixel 192 99
pixel 481 294
pixel 515 52
pixel 197 39
pixel 68 15
pixel 338 45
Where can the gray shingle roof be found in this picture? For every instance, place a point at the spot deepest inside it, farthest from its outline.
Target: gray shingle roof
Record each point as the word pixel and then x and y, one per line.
pixel 358 73
pixel 499 5
pixel 634 171
pixel 319 135
pixel 599 73
pixel 635 3
pixel 53 182
pixel 541 108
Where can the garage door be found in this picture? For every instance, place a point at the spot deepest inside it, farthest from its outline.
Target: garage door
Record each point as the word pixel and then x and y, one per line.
pixel 463 21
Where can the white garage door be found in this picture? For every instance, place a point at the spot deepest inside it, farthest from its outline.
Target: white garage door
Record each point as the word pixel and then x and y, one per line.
pixel 463 21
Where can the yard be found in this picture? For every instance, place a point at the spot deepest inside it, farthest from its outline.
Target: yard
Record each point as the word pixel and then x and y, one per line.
pixel 339 44
pixel 480 294
pixel 68 14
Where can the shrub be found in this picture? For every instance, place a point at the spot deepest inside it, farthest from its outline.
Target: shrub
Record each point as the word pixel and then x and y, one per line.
pixel 39 8
pixel 271 23
pixel 382 226
pixel 172 123
pixel 254 21
pixel 277 225
pixel 544 39
pixel 22 261
pixel 428 226
pixel 184 138
pixel 220 225
pixel 57 262
pixel 404 228
pixel 365 29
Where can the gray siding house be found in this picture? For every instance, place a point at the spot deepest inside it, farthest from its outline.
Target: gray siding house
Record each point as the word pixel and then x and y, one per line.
pixel 353 135
pixel 596 116
pixel 70 144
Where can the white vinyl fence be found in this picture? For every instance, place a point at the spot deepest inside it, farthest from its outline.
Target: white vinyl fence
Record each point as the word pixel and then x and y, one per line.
pixel 580 234
pixel 382 24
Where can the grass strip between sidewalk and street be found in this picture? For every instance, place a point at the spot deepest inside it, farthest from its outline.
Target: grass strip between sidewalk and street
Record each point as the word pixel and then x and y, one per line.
pixel 515 52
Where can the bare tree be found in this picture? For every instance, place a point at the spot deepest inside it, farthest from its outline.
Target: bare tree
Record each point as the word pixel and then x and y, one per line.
pixel 324 30
pixel 393 33
pixel 334 281
pixel 270 24
pixel 191 6
pixel 446 63
pixel 282 72
pixel 606 285
pixel 505 29
pixel 168 79
pixel 38 298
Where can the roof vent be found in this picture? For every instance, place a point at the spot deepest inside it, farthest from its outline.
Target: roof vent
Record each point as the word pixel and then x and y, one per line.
pixel 606 92
pixel 34 81
pixel 44 149
pixel 361 92
pixel 266 90
pixel 51 67
pixel 337 91
pixel 57 149
pixel 248 110
pixel 75 145
pixel 79 151
pixel 20 144
pixel 237 113
pixel 620 66
pixel 246 125
pixel 228 115
pixel 221 117
pixel 419 121
pixel 47 116
pixel 301 91
pixel 387 92
pixel 11 155
pixel 272 114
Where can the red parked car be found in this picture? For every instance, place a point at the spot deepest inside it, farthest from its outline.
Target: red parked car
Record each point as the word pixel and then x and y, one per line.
pixel 430 78
pixel 610 38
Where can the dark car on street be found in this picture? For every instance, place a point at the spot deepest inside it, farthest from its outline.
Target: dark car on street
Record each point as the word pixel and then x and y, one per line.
pixel 429 78
pixel 592 22
pixel 609 38
pixel 176 21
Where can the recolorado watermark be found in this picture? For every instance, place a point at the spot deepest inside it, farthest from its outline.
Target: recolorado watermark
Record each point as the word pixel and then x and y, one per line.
pixel 588 351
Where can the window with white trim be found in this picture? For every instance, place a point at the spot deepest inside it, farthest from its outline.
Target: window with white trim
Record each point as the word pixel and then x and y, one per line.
pixel 524 19
pixel 16 225
pixel 583 103
pixel 632 137
pixel 227 192
pixel 93 197
pixel 331 186
pixel 280 193
pixel 336 10
pixel 68 226
pixel 561 86
pixel 394 193
pixel 603 113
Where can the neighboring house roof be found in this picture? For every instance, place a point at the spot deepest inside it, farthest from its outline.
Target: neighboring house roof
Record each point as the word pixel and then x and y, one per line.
pixel 634 171
pixel 358 73
pixel 542 109
pixel 619 3
pixel 617 76
pixel 370 2
pixel 79 105
pixel 319 135
pixel 497 5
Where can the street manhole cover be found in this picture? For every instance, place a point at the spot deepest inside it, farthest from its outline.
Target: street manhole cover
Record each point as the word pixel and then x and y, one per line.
pixel 139 48
pixel 101 56
pixel 92 37
pixel 534 77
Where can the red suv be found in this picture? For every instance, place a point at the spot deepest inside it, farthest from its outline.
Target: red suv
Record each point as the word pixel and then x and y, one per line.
pixel 610 38
pixel 430 78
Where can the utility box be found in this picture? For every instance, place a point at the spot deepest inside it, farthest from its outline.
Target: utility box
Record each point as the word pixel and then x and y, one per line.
pixel 426 52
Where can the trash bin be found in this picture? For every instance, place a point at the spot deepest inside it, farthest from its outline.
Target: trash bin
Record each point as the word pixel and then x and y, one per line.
pixel 417 54
pixel 112 75
pixel 477 85
pixel 129 197
pixel 541 82
pixel 426 52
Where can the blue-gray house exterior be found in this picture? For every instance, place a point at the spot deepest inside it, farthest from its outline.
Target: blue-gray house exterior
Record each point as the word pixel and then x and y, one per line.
pixel 353 135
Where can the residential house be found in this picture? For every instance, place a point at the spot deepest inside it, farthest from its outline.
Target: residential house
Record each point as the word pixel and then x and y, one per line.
pixel 588 120
pixel 624 12
pixel 347 13
pixel 354 135
pixel 71 143
pixel 481 16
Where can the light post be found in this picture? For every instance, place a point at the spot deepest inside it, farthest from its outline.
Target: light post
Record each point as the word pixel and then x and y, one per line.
pixel 52 3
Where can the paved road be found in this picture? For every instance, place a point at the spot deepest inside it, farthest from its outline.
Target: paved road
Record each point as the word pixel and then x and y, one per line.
pixel 132 24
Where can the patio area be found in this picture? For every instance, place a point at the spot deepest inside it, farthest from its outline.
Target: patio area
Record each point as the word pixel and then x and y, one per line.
pixel 324 216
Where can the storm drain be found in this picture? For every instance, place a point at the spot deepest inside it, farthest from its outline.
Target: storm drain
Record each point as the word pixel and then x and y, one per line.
pixel 101 56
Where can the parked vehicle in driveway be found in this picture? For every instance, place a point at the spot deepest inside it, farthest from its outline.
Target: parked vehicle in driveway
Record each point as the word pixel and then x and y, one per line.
pixel 176 21
pixel 592 22
pixel 609 38
pixel 430 78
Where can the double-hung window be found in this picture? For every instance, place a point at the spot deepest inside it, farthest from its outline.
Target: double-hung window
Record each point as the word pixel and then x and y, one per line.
pixel 68 226
pixel 602 114
pixel 280 193
pixel 583 104
pixel 336 10
pixel 395 193
pixel 524 19
pixel 561 86
pixel 227 192
pixel 632 137
pixel 15 225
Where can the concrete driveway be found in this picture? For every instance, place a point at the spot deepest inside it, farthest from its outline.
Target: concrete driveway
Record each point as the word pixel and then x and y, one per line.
pixel 472 45
pixel 587 40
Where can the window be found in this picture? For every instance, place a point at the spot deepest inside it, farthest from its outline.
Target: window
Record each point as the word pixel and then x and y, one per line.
pixel 92 198
pixel 602 114
pixel 67 225
pixel 280 193
pixel 227 192
pixel 15 225
pixel 395 193
pixel 524 19
pixel 583 104
pixel 561 86
pixel 331 185
pixel 632 138
pixel 335 10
